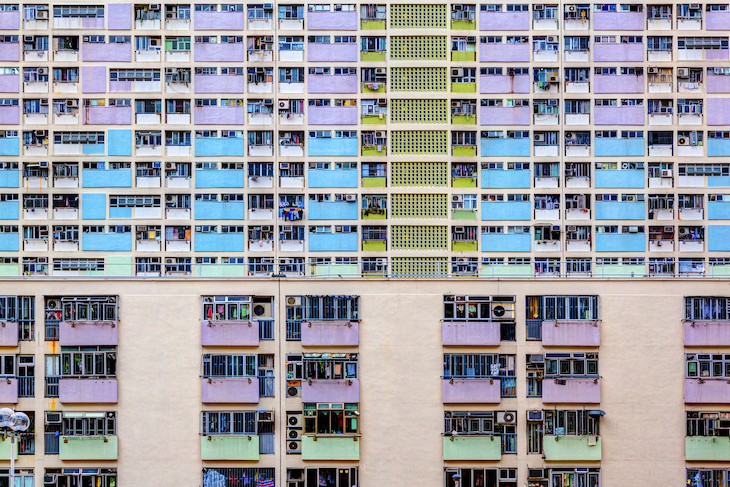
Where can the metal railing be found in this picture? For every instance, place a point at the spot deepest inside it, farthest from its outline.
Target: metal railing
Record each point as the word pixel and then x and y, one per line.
pixel 266 443
pixel 508 384
pixel 266 386
pixel 509 442
pixel 534 329
pixel 52 330
pixel 51 443
pixel 534 387
pixel 266 329
pixel 293 330
pixel 26 444
pixel 394 269
pixel 52 386
pixel 26 386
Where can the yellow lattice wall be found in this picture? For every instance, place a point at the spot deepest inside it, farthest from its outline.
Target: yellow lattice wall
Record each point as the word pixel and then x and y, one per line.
pixel 418 79
pixel 427 142
pixel 418 111
pixel 419 206
pixel 417 16
pixel 417 48
pixel 419 174
pixel 414 237
pixel 419 267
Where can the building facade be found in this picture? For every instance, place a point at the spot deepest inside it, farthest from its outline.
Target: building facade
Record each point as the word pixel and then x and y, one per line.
pixel 486 212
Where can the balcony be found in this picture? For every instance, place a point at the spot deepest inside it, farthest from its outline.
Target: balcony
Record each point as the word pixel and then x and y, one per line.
pixel 706 391
pixel 330 333
pixel 330 390
pixel 233 390
pixel 620 242
pixel 500 242
pixel 92 391
pixel 229 333
pixel 505 210
pixel 229 447
pixel 332 20
pixel 571 333
pixel 335 447
pixel 706 333
pixel 572 448
pixel 471 391
pixel 471 333
pixel 88 333
pixel 707 448
pixel 619 210
pixel 571 390
pixel 472 448
pixel 88 448
pixel 504 84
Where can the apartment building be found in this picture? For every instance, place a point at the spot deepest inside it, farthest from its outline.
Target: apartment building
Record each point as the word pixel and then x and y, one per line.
pixel 401 382
pixel 437 244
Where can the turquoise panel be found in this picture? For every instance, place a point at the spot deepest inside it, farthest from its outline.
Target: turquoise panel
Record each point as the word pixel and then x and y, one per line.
pixel 93 206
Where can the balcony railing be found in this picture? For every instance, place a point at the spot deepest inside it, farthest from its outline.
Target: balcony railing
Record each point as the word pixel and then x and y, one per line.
pixel 266 443
pixel 26 386
pixel 394 269
pixel 294 329
pixel 534 329
pixel 51 442
pixel 266 329
pixel 509 442
pixel 509 385
pixel 52 386
pixel 52 327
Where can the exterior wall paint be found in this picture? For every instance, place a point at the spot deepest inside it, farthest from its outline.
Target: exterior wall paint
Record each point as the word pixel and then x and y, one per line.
pixel 506 210
pixel 332 115
pixel 219 115
pixel 607 83
pixel 619 178
pixel 504 20
pixel 332 178
pixel 332 52
pixel 219 21
pixel 618 115
pixel 332 20
pixel 107 52
pixel 620 242
pixel 618 21
pixel 120 16
pixel 504 115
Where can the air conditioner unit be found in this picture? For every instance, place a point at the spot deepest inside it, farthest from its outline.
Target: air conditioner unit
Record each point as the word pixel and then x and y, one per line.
pixel 294 420
pixel 625 165
pixel 684 230
pixel 42 70
pixel 633 229
pixel 52 304
pixel 383 102
pixel 666 173
pixel 294 300
pixel 141 228
pixel 43 164
pixel 338 229
pixel 668 229
pixel 44 102
pixel 506 417
pixel 293 446
pixel 459 230
pixel 170 260
pixel 683 140
pixel 682 72
pixel 53 417
pixel 457 198
pixel 694 6
pixel 155 6
pixel 284 104
pixel 380 71
pixel 296 475
pixel 284 165
pixel 539 137
pixel 380 135
pixel 40 133
pixel 534 415
pixel 380 261
pixel 572 228
pixel 462 260
pixel 262 311
pixel 570 135
pixel 538 8
pixel 41 15
pixel 171 71
pixel 471 39
pixel 169 198
pixel 351 197
pixel 570 8
pixel 170 166
pixel 457 72
pixel 455 104
pixel 72 103
pixel 652 70
pixel 552 39
pixel 28 38
pixel 553 78
pixel 503 311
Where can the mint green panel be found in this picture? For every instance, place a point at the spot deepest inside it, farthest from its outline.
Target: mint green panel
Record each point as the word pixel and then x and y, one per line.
pixel 229 447
pixel 571 448
pixel 481 448
pixel 119 265
pixel 707 448
pixel 330 448
pixel 88 448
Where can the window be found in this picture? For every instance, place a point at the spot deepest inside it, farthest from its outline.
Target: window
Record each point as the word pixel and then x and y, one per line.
pixel 88 423
pixel 484 423
pixel 481 308
pixel 706 308
pixel 330 419
pixel 478 365
pixel 89 362
pixel 571 365
pixel 705 365
pixel 331 308
pixel 91 308
pixel 21 310
pixel 234 422
pixel 337 366
pixel 228 308
pixel 479 477
pixel 551 308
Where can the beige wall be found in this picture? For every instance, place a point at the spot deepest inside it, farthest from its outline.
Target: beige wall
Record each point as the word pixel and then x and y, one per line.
pixel 641 362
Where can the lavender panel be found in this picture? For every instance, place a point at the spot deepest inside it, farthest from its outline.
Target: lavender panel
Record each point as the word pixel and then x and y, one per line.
pixel 623 115
pixel 331 391
pixel 205 83
pixel 87 333
pixel 706 391
pixel 471 333
pixel 504 115
pixel 571 334
pixel 332 52
pixel 472 391
pixel 229 333
pixel 333 115
pixel 234 390
pixel 218 115
pixel 96 115
pixel 332 20
pixel 324 83
pixel 120 16
pixel 93 79
pixel 218 20
pixel 102 391
pixel 571 391
pixel 326 333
